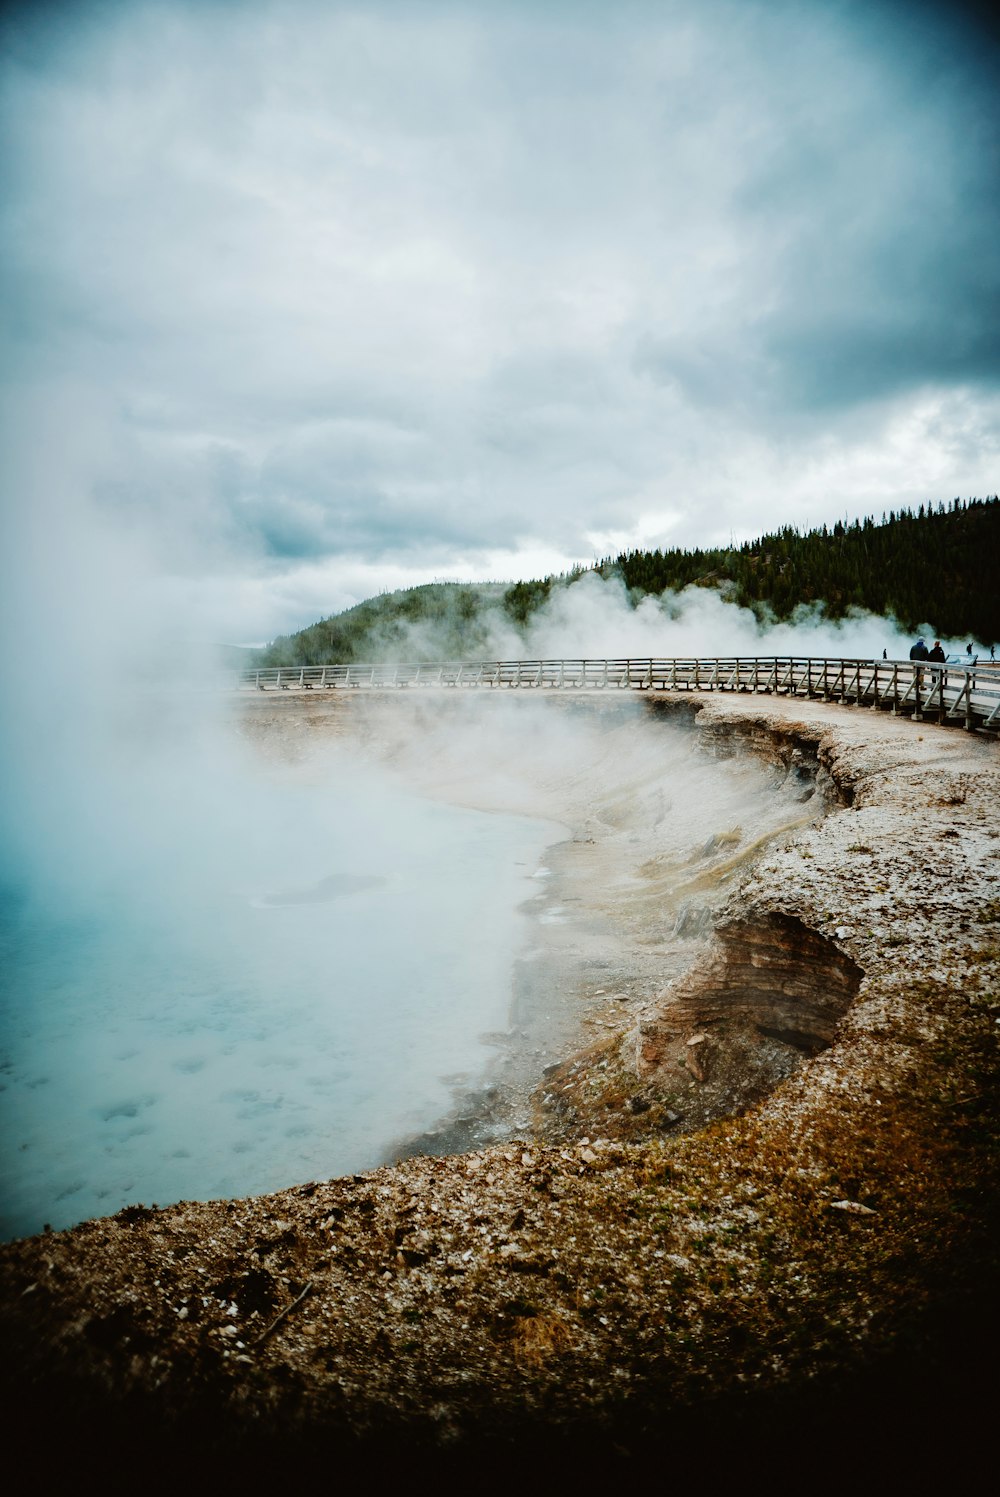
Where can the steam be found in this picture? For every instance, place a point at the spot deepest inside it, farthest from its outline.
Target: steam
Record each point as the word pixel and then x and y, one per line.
pixel 224 975
pixel 228 973
pixel 594 618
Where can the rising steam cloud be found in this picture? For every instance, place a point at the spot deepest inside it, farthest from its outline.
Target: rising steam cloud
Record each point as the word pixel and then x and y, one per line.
pixel 595 618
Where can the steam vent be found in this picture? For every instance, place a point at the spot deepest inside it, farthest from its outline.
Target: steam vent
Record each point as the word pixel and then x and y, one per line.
pixel 739 1210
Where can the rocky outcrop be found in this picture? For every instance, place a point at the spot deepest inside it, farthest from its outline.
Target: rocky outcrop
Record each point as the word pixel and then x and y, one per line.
pixel 769 994
pixel 787 981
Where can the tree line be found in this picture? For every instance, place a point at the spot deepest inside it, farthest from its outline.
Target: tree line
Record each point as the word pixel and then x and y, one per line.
pixel 937 565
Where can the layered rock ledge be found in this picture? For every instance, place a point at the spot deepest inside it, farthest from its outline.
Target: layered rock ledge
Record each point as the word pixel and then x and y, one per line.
pixel 819 1263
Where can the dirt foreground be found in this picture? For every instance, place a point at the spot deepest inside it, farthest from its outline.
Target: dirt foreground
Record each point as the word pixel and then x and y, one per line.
pixel 636 1275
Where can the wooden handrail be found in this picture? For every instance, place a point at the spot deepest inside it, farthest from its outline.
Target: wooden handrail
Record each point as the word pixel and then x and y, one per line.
pixel 969 694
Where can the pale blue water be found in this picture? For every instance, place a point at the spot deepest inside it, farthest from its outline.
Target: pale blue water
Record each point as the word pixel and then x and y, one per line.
pixel 247 1000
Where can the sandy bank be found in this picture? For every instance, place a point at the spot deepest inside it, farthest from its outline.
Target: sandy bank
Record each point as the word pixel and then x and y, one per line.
pixel 614 1284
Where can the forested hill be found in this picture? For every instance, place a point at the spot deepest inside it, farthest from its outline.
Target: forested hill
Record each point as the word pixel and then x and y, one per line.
pixel 937 566
pixel 439 621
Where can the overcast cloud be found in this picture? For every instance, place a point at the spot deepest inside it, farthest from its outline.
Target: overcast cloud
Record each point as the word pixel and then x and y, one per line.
pixel 304 300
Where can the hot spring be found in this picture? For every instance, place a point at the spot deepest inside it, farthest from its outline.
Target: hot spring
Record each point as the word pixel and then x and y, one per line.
pixel 229 972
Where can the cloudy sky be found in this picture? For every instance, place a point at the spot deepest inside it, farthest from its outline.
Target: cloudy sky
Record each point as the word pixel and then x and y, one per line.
pixel 304 300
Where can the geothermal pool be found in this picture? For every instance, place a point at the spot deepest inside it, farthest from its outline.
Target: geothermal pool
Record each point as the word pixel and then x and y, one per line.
pixel 228 971
pixel 227 1025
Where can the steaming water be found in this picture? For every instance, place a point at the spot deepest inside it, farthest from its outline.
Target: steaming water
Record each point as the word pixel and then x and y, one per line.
pixel 247 1017
pixel 220 977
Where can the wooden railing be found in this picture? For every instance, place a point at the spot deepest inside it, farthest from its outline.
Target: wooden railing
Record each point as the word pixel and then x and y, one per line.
pixel 967 694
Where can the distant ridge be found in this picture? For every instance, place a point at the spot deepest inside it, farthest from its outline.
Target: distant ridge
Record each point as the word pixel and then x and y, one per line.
pixel 939 565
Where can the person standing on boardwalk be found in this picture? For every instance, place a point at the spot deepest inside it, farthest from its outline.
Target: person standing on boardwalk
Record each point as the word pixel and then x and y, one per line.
pixel 918 652
pixel 937 656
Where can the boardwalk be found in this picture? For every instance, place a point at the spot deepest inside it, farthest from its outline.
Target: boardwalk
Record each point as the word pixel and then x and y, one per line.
pixel 968 696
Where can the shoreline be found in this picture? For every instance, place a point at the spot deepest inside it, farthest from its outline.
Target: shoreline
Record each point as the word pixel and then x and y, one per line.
pixel 582 977
pixel 828 1254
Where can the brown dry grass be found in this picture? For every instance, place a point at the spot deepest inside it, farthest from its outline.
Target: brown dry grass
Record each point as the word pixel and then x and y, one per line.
pixel 538 1337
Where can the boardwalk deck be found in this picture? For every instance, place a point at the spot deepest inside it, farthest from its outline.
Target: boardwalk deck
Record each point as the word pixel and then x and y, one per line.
pixel 968 696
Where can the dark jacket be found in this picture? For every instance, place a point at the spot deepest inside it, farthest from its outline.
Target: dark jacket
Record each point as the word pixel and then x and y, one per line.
pixel 918 651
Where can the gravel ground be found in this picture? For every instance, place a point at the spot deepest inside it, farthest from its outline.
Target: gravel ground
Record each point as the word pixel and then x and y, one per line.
pixel 631 1277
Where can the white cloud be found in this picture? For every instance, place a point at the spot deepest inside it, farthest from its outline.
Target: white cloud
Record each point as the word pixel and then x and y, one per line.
pixel 389 293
